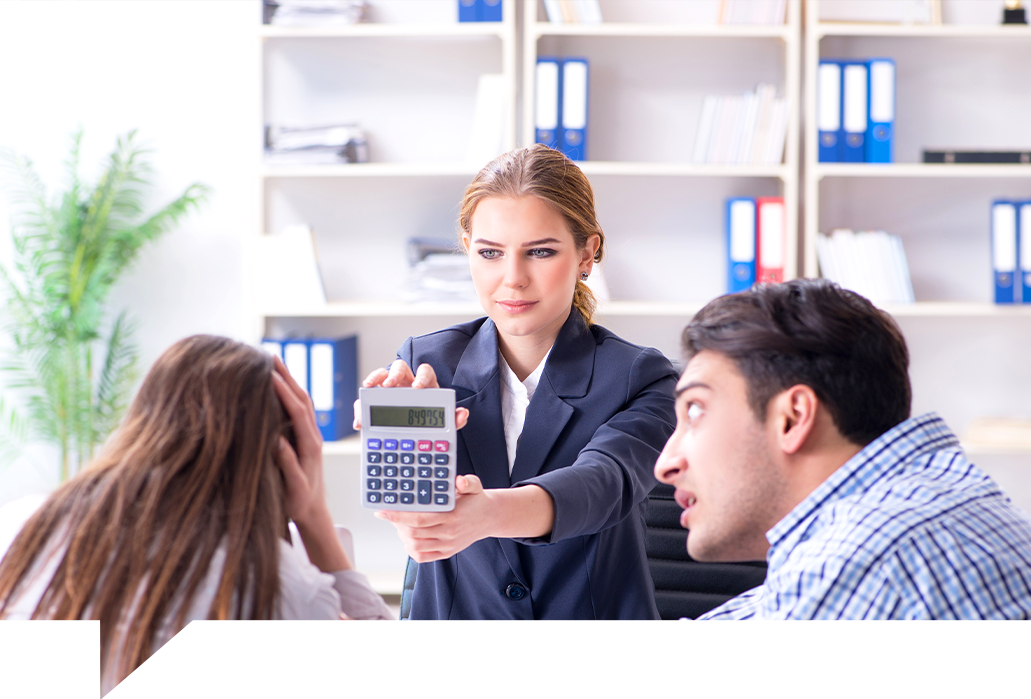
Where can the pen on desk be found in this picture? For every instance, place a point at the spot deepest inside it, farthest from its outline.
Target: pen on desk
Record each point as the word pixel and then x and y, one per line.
pixel 523 655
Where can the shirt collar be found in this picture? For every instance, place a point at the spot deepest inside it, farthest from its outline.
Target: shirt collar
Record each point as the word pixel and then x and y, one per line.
pixel 528 385
pixel 886 454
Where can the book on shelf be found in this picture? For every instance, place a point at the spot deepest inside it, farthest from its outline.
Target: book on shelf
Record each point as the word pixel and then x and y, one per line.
pixel 573 11
pixel 286 270
pixel 305 13
pixel 871 263
pixel 560 109
pixel 746 129
pixel 950 156
pixel 855 107
pixel 315 145
pixel 769 12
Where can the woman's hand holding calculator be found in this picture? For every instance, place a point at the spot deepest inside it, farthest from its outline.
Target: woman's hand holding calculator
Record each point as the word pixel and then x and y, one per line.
pixel 400 376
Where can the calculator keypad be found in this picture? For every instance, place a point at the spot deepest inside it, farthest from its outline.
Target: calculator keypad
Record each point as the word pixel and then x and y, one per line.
pixel 423 477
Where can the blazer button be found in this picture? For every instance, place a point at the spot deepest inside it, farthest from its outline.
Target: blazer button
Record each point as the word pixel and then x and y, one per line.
pixel 515 591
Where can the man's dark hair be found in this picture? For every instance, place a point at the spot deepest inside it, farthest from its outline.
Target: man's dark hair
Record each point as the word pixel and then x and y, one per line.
pixel 812 332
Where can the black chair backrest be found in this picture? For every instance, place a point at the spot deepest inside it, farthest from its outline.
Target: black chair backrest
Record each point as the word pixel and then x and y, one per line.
pixel 685 587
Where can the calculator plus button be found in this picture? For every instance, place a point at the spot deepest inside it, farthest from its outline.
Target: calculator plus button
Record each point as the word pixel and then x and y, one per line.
pixel 390 498
pixel 440 486
pixel 373 444
pixel 441 446
pixel 424 492
pixel 425 472
pixel 440 472
pixel 425 445
pixel 390 444
pixel 407 445
pixel 441 459
pixel 374 470
pixel 407 472
pixel 407 458
pixel 389 484
pixel 390 471
pixel 373 497
pixel 407 485
pixel 440 499
pixel 373 484
pixel 374 457
pixel 407 498
pixel 425 459
pixel 390 457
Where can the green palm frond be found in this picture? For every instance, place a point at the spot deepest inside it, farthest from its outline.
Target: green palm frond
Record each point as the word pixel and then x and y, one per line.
pixel 68 255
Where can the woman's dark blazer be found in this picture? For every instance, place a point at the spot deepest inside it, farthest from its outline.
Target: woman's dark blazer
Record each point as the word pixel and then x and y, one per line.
pixel 599 418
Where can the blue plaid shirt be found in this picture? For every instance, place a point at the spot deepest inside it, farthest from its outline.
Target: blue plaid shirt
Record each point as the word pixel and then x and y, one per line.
pixel 905 529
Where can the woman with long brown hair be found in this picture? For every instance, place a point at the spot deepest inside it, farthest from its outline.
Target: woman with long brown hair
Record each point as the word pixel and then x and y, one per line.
pixel 184 514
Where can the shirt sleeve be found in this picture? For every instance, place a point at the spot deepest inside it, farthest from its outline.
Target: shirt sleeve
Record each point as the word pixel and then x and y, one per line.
pixel 308 593
pixel 613 473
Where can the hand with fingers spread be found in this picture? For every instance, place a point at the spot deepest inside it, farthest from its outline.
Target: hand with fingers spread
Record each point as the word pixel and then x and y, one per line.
pixel 400 376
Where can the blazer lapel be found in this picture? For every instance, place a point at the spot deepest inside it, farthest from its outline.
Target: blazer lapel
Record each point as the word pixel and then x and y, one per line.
pixel 477 384
pixel 566 375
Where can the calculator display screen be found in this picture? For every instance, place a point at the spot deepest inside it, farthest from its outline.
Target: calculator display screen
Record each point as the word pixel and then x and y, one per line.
pixel 406 416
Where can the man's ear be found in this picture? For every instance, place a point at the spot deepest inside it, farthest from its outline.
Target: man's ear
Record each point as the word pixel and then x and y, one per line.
pixel 794 415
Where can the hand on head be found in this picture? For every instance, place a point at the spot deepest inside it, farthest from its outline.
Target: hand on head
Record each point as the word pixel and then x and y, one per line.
pixel 302 469
pixel 400 376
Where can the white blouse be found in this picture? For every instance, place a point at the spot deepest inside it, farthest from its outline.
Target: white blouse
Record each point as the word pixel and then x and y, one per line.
pixel 515 398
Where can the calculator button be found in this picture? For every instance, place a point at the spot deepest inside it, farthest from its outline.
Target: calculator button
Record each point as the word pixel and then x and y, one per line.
pixel 425 459
pixel 374 470
pixel 407 485
pixel 440 499
pixel 373 484
pixel 407 458
pixel 425 492
pixel 389 484
pixel 391 498
pixel 390 471
pixel 374 457
pixel 440 472
pixel 441 459
pixel 425 445
pixel 425 472
pixel 390 444
pixel 441 446
pixel 407 445
pixel 390 457
pixel 407 498
pixel 440 486
pixel 373 497
pixel 407 472
pixel 373 444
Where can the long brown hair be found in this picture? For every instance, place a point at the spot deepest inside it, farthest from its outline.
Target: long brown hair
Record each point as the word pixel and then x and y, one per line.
pixel 189 469
pixel 550 176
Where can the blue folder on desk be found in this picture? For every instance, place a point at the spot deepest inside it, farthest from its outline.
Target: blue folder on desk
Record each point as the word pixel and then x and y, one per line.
pixel 828 112
pixel 1004 249
pixel 568 648
pixel 881 122
pixel 854 110
pixel 740 244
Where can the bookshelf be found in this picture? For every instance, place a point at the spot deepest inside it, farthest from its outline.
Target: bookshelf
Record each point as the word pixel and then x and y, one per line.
pixel 652 65
pixel 960 84
pixel 409 79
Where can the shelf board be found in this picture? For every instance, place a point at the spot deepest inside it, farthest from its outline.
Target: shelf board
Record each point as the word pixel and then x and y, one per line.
pixel 918 170
pixel 445 30
pixel 719 31
pixel 958 309
pixel 600 167
pixel 922 30
pixel 371 170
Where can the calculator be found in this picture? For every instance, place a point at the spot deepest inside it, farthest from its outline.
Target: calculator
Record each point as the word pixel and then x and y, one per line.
pixel 408 449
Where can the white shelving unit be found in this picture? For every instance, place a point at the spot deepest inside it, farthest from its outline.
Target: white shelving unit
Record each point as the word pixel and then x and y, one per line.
pixel 651 66
pixel 961 85
pixel 409 79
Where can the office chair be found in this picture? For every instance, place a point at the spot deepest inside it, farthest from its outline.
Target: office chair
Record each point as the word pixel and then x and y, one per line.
pixel 685 587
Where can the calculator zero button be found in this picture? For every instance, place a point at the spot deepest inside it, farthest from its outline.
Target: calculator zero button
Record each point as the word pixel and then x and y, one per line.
pixel 373 497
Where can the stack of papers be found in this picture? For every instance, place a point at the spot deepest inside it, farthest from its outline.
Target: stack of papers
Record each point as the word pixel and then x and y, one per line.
pixel 317 145
pixel 302 13
pixel 870 263
pixel 748 129
pixel 438 272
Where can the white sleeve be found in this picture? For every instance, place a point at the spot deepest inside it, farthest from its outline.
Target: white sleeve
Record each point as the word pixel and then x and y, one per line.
pixel 359 600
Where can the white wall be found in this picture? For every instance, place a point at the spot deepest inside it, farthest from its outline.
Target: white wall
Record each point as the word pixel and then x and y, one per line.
pixel 186 76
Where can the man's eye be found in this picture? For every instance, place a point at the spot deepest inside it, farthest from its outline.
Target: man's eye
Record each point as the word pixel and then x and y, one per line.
pixel 694 411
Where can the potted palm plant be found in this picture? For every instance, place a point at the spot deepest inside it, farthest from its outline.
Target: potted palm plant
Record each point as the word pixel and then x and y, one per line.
pixel 69 368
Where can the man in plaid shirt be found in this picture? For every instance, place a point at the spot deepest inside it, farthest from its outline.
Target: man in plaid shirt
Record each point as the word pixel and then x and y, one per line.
pixel 794 443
